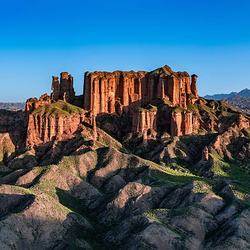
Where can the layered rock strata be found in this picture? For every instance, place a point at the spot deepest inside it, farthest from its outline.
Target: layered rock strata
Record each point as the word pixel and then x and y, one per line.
pixel 122 92
pixel 181 123
pixel 64 89
pixel 45 127
pixel 34 103
pixel 106 92
pixel 144 120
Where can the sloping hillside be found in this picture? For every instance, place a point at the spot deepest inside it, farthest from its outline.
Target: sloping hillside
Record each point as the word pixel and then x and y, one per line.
pixel 84 193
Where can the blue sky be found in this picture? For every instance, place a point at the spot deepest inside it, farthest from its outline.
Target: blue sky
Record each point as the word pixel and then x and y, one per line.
pixel 39 39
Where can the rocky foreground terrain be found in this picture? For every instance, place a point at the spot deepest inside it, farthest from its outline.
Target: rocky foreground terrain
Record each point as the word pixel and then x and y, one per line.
pixel 73 180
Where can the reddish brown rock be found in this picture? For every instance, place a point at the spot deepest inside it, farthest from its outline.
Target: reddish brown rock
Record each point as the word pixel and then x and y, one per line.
pixel 55 88
pixel 187 123
pixel 176 121
pixel 193 85
pixel 64 89
pixel 45 129
pixel 143 119
pixel 120 92
pixel 103 90
pixel 128 92
pixel 34 103
pixel 51 123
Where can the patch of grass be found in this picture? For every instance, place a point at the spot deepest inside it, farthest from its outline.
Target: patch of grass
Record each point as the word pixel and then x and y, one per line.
pixel 45 187
pixel 59 108
pixel 152 107
pixel 234 174
pixel 178 109
pixel 176 176
pixel 193 108
pixel 211 112
pixel 23 190
pixel 202 187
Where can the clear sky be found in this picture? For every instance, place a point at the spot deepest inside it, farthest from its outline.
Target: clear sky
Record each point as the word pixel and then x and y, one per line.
pixel 38 39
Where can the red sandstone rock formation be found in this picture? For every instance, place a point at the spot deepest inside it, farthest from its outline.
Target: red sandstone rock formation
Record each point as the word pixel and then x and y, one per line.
pixel 42 129
pixel 94 126
pixel 120 92
pixel 193 86
pixel 103 90
pixel 144 119
pixel 176 121
pixel 34 103
pixel 64 89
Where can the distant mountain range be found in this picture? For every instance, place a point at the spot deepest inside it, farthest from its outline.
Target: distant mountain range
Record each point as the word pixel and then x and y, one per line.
pixel 240 100
pixel 13 106
pixel 243 93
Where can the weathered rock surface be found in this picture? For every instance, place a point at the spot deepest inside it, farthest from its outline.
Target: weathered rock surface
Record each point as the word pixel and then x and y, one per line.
pixel 64 89
pixel 103 91
pixel 58 121
pixel 158 102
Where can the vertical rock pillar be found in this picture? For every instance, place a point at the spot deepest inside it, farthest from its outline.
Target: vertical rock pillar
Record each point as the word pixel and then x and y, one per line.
pixel 193 86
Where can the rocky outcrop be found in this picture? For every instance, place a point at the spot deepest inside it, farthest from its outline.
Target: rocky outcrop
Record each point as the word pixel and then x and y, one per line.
pixel 120 92
pixel 143 120
pixel 106 92
pixel 34 103
pixel 181 123
pixel 162 101
pixel 193 86
pixel 64 89
pixel 46 129
pixel 51 126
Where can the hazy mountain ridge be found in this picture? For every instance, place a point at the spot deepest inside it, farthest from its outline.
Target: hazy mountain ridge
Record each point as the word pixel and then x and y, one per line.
pixel 244 93
pixel 240 100
pixel 12 106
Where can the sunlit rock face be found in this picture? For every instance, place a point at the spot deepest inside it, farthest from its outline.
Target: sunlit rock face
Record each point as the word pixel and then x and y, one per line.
pixel 106 92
